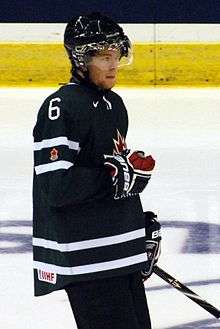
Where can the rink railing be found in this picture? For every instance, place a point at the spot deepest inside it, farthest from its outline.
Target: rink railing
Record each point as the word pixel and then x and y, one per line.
pixel 166 55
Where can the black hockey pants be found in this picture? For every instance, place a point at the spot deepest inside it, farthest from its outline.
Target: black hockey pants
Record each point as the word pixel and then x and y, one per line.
pixel 112 303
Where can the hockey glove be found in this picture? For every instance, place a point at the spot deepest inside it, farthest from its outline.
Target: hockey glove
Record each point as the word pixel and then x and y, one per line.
pixel 152 244
pixel 130 172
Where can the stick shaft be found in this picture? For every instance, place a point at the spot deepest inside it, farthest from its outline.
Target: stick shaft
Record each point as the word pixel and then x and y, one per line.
pixel 186 291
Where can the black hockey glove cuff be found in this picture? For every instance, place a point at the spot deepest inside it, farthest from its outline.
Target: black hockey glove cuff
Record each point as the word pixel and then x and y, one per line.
pixel 153 242
pixel 130 172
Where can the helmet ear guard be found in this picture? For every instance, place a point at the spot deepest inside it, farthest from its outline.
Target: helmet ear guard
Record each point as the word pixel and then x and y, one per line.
pixel 88 35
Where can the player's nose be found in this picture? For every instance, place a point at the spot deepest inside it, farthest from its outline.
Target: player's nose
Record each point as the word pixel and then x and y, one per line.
pixel 113 64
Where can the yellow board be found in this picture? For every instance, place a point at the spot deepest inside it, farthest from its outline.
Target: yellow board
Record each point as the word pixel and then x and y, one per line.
pixel 159 64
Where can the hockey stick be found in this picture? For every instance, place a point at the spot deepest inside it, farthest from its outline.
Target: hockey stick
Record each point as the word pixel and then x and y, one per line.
pixel 186 291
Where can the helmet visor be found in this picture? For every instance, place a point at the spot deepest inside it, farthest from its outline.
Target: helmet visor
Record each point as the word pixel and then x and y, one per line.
pixel 104 55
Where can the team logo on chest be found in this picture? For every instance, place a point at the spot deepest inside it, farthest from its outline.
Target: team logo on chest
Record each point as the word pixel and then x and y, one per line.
pixel 119 143
pixel 108 104
pixel 95 104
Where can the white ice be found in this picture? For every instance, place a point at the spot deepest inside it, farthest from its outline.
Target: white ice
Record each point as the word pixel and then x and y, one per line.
pixel 181 129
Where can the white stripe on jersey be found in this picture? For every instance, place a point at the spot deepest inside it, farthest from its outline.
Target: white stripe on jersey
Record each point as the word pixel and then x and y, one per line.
pixel 62 140
pixel 40 169
pixel 91 268
pixel 87 244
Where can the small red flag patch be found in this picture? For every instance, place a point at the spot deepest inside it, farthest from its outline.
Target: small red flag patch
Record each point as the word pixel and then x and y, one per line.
pixel 54 154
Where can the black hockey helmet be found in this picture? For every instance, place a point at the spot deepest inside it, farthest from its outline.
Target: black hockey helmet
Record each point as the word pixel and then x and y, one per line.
pixel 86 35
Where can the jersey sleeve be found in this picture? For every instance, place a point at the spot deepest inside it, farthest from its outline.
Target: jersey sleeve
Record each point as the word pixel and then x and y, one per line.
pixel 59 137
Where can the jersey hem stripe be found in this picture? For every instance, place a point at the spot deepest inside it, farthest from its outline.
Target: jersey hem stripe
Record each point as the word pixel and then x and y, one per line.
pixel 91 268
pixel 87 244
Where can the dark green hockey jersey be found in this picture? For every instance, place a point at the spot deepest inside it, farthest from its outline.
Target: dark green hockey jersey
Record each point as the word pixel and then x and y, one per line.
pixel 80 232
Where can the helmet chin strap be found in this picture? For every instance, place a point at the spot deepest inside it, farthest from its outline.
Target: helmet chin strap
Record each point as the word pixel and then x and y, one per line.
pixel 79 74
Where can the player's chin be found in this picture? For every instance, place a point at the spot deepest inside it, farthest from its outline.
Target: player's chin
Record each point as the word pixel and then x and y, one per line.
pixel 109 82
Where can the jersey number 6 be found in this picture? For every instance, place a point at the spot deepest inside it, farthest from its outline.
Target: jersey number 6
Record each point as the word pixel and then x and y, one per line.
pixel 54 110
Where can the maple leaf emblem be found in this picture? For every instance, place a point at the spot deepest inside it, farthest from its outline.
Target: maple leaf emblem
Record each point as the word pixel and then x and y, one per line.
pixel 54 154
pixel 120 144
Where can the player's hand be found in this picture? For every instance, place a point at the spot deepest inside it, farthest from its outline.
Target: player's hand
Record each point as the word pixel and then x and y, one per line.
pixel 152 244
pixel 130 172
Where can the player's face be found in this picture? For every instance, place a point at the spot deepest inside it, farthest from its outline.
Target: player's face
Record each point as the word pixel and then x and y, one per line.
pixel 103 68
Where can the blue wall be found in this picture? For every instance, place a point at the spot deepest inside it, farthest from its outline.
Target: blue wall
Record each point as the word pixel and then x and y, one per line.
pixel 124 11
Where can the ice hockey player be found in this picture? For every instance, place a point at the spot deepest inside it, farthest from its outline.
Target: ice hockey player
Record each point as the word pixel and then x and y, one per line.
pixel 88 222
